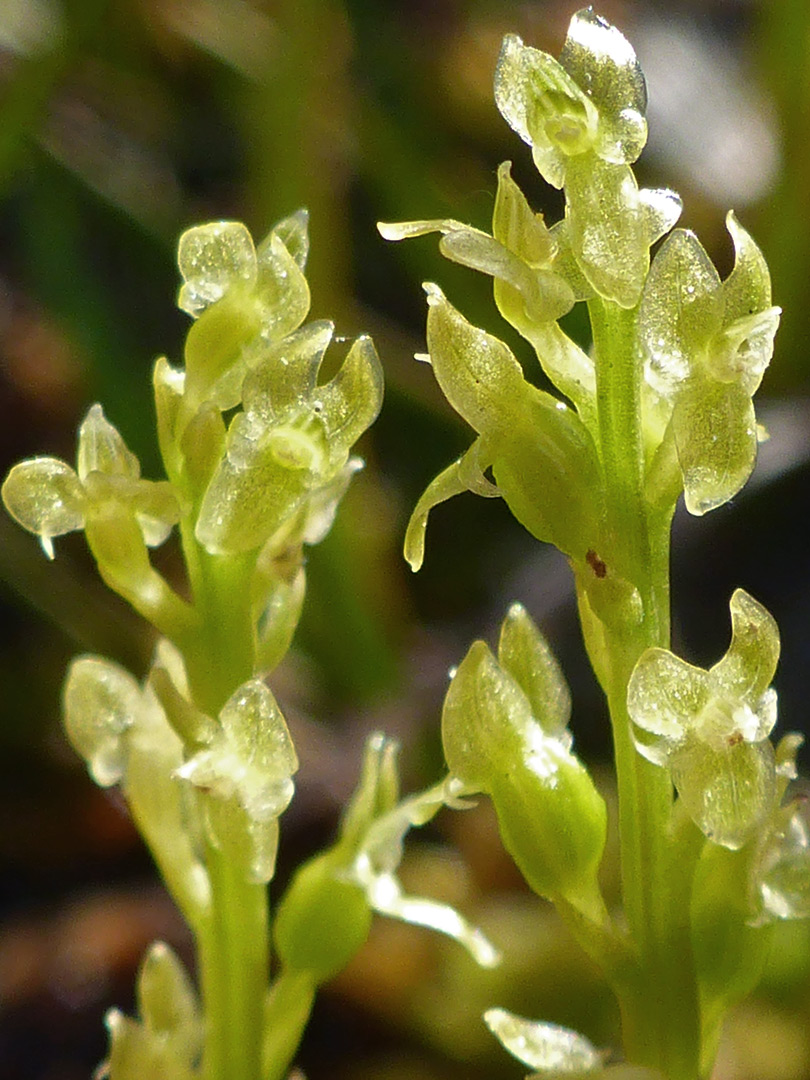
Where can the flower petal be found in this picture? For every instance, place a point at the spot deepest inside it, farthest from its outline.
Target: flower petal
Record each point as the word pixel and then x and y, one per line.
pixel 213 258
pixel 680 311
pixel 46 497
pixel 728 791
pixel 716 439
pixel 551 1050
pixel 602 61
pixel 525 654
pixel 747 669
pixel 101 702
pixel 608 227
pixel 665 693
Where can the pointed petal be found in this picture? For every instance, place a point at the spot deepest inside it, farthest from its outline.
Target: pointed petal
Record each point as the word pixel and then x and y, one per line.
pixel 351 401
pixel 281 290
pixel 477 373
pixel 515 224
pixel 680 311
pixel 284 380
pixel 293 231
pixel 486 721
pixel 101 449
pixel 747 289
pixel 663 210
pixel 525 654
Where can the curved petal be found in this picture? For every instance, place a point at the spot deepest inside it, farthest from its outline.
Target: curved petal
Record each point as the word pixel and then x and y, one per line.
pixel 747 669
pixel 517 226
pixel 212 258
pixel 284 379
pixel 101 701
pixel 45 496
pixel 680 311
pixel 747 289
pixel 465 474
pixel 665 694
pixel 281 289
pixel 350 402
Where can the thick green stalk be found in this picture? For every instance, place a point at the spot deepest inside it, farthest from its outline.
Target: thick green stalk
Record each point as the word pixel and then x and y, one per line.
pixel 286 1013
pixel 660 1013
pixel 234 942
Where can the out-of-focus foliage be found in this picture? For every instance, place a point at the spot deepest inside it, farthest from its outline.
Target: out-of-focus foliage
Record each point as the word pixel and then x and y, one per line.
pixel 124 121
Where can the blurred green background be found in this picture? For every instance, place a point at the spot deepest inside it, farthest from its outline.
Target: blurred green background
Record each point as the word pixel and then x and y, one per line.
pixel 123 122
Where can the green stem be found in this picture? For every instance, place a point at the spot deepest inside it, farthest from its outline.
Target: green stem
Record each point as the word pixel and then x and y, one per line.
pixel 286 1012
pixel 234 964
pixel 234 941
pixel 660 1012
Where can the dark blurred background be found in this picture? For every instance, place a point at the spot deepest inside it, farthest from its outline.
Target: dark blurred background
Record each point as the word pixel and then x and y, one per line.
pixel 123 122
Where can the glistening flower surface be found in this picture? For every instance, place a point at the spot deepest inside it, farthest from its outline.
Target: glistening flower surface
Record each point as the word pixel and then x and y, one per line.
pixel 711 728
